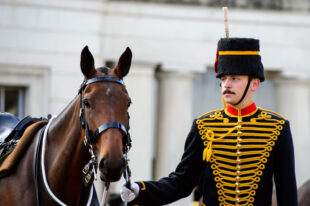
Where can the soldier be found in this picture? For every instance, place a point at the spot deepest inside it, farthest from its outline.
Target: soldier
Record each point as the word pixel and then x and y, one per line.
pixel 237 151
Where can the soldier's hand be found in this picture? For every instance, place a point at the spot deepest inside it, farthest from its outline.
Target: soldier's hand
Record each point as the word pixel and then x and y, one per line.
pixel 128 194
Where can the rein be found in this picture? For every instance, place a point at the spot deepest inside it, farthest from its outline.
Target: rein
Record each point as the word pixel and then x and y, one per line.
pixel 89 139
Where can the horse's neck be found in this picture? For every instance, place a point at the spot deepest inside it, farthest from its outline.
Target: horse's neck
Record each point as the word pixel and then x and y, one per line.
pixel 65 152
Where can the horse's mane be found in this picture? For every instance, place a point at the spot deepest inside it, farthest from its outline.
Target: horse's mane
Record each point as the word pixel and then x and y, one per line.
pixel 68 107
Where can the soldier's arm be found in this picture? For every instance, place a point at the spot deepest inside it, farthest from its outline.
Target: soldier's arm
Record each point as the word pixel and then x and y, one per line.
pixel 179 183
pixel 284 169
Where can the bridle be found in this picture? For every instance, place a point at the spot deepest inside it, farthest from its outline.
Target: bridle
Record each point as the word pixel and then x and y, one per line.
pixel 89 140
pixel 90 168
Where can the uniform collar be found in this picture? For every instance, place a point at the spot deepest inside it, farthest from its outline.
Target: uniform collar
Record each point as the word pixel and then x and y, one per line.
pixel 245 111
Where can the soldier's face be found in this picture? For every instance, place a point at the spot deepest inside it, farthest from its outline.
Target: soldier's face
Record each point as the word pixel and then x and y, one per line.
pixel 233 87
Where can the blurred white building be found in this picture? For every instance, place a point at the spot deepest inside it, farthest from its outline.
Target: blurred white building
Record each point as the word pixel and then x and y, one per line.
pixel 171 79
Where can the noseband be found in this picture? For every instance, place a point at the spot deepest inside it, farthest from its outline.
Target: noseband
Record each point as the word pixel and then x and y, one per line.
pixel 90 138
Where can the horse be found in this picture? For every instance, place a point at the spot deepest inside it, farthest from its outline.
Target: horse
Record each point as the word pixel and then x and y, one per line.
pixel 91 132
pixel 303 193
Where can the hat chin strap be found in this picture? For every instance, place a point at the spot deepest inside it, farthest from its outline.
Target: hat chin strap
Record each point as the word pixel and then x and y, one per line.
pixel 245 91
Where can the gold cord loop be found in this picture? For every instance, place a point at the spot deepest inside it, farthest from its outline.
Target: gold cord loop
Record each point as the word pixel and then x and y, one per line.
pixel 207 152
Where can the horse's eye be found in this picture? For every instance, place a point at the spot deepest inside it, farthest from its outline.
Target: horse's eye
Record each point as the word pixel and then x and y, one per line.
pixel 128 104
pixel 86 103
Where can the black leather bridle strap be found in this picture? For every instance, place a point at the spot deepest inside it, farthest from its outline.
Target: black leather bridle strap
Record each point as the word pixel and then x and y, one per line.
pixel 104 79
pixel 109 125
pixel 35 163
pixel 100 79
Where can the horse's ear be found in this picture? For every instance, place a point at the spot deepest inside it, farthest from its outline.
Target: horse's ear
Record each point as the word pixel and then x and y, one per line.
pixel 87 62
pixel 124 63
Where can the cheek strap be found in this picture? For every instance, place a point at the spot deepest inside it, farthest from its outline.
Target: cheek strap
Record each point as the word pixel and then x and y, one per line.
pixel 245 91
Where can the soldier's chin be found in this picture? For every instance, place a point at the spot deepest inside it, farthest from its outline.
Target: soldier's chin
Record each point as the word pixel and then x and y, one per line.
pixel 229 101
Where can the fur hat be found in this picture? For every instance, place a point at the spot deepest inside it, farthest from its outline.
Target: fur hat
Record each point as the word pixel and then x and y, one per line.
pixel 239 56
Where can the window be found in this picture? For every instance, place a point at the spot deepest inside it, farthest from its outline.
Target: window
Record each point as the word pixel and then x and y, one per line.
pixel 12 100
pixel 31 84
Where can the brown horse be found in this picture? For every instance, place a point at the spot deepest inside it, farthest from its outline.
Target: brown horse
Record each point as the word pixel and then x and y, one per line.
pixel 99 113
pixel 303 193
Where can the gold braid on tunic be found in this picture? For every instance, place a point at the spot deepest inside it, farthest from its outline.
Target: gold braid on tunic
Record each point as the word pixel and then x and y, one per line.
pixel 237 152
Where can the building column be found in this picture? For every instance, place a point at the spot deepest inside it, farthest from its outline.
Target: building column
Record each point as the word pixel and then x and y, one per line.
pixel 174 121
pixel 141 84
pixel 293 100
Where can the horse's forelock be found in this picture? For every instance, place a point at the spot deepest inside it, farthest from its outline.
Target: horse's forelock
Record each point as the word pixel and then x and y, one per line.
pixel 104 70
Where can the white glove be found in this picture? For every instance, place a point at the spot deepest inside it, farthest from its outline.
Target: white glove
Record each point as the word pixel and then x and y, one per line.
pixel 128 195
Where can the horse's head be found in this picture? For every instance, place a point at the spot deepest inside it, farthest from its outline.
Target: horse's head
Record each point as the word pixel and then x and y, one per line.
pixel 104 102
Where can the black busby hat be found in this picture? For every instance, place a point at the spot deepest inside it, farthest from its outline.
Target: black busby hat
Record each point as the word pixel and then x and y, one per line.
pixel 239 56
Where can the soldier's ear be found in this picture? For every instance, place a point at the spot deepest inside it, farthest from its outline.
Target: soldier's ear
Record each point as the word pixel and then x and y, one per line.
pixel 255 84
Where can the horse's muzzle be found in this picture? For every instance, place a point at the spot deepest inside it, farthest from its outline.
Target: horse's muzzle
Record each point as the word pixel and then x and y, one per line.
pixel 111 170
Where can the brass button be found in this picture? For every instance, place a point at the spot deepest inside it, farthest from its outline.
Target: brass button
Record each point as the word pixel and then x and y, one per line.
pixel 239 140
pixel 237 177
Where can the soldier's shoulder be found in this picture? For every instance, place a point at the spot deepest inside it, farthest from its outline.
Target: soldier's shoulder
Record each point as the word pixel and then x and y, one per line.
pixel 274 115
pixel 208 114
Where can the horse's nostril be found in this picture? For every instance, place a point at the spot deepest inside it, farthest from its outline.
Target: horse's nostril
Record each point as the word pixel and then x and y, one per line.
pixel 102 165
pixel 111 170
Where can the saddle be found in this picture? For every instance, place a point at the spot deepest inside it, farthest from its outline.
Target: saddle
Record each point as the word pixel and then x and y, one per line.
pixel 11 130
pixel 7 124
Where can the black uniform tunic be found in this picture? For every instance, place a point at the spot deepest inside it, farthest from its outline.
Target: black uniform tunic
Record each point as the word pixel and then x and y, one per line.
pixel 236 154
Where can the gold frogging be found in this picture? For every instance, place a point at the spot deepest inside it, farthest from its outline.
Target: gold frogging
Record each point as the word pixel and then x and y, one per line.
pixel 238 152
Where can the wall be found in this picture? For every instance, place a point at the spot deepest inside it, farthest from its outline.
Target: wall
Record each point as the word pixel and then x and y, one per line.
pixel 41 42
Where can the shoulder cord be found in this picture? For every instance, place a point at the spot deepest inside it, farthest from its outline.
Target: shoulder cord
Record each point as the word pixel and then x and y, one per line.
pixel 207 152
